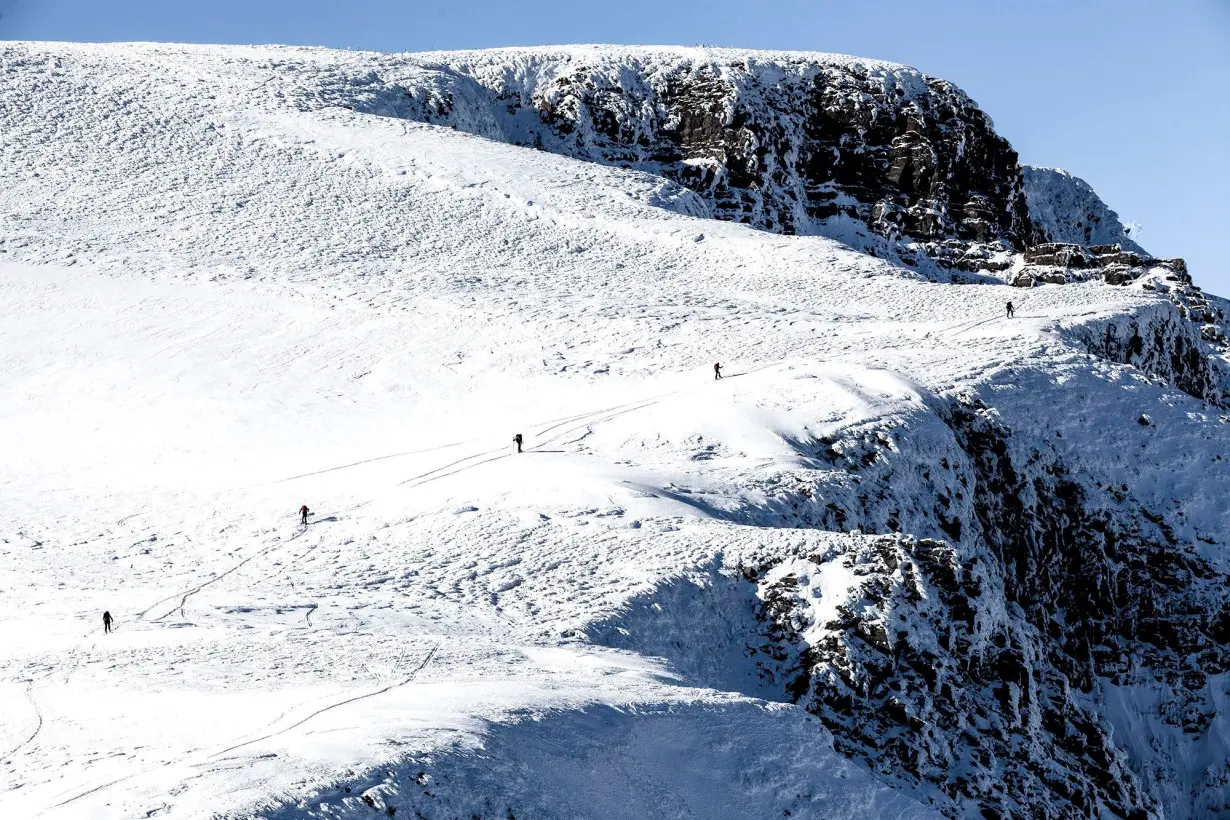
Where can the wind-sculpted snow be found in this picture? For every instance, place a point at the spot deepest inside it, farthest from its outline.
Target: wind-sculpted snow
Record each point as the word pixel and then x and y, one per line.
pixel 907 558
pixel 1066 209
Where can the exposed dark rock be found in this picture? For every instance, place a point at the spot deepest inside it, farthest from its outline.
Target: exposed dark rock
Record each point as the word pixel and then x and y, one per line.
pixel 1053 589
pixel 1060 254
pixel 1160 343
pixel 784 142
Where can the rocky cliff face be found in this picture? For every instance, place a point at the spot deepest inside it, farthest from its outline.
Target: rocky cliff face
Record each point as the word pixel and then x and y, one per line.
pixel 876 154
pixel 1171 345
pixel 785 142
pixel 1183 343
pixel 981 663
pixel 976 633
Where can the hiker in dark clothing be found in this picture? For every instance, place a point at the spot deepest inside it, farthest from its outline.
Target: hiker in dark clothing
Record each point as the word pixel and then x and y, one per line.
pixel 717 371
pixel 303 511
pixel 517 440
pixel 106 623
pixel 1011 310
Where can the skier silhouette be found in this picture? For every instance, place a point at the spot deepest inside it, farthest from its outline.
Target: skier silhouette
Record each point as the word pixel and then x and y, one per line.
pixel 517 440
pixel 717 371
pixel 303 511
pixel 1011 310
pixel 106 623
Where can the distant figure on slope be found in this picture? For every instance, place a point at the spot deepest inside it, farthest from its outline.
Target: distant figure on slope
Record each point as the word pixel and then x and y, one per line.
pixel 303 511
pixel 106 623
pixel 717 371
pixel 517 441
pixel 1011 310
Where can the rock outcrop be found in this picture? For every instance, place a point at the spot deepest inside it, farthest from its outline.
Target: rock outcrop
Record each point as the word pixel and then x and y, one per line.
pixel 1065 209
pixel 1159 341
pixel 786 142
pixel 1058 263
pixel 1162 342
pixel 974 640
pixel 876 154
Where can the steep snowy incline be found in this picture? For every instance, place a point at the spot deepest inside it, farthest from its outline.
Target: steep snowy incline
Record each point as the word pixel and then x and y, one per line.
pixel 909 558
pixel 429 610
pixel 1066 209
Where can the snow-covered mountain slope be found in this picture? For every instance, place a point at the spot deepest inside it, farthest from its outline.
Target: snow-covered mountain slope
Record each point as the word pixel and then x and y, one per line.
pixel 1066 209
pixel 909 558
pixel 787 142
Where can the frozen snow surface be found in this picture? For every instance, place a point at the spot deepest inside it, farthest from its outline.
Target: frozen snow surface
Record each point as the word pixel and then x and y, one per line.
pixel 1055 197
pixel 222 296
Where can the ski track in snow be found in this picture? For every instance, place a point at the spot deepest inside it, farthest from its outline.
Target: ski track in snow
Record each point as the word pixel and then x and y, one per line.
pixel 223 294
pixel 408 679
pixel 38 725
pixel 183 598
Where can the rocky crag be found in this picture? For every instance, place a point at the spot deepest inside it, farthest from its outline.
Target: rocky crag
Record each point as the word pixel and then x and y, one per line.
pixel 879 155
pixel 790 143
pixel 1017 638
pixel 785 142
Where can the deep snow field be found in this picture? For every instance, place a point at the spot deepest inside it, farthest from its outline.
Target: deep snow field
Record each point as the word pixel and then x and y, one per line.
pixel 214 309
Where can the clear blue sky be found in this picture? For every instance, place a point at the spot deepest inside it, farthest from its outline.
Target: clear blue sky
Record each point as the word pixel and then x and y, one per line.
pixel 1130 95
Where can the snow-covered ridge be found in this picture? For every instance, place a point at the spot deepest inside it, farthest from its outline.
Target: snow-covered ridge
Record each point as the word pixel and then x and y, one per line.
pixel 590 54
pixel 908 558
pixel 794 142
pixel 1066 209
pixel 789 142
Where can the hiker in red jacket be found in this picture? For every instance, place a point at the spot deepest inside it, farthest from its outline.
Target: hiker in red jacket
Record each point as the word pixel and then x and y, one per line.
pixel 303 511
